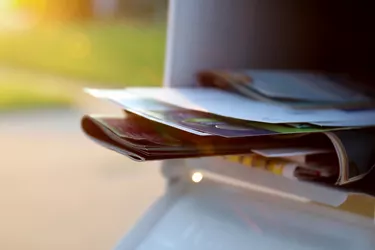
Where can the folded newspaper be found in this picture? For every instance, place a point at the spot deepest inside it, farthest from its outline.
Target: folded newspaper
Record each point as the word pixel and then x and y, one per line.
pixel 142 139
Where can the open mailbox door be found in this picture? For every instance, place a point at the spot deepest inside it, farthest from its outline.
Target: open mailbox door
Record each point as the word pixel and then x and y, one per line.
pixel 213 204
pixel 206 210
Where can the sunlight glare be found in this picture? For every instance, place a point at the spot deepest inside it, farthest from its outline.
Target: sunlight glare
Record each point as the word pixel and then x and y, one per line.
pixel 5 5
pixel 197 177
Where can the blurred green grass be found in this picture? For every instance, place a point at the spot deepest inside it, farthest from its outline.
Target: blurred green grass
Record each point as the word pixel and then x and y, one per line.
pixel 25 91
pixel 105 54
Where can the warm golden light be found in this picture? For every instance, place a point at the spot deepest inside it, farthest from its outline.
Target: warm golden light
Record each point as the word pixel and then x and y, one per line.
pixel 5 5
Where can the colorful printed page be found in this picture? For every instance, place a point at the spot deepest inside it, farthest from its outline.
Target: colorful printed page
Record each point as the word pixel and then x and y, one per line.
pixel 196 122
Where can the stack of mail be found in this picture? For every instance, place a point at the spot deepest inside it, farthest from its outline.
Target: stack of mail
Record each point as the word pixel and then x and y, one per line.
pixel 242 112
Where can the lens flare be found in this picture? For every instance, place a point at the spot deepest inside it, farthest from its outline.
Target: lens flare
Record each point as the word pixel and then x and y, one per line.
pixel 197 177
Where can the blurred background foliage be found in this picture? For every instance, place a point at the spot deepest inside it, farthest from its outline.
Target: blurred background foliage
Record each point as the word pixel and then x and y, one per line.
pixel 60 190
pixel 112 43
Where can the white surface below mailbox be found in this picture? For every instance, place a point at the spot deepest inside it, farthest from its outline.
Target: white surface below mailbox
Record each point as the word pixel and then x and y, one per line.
pixel 213 215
